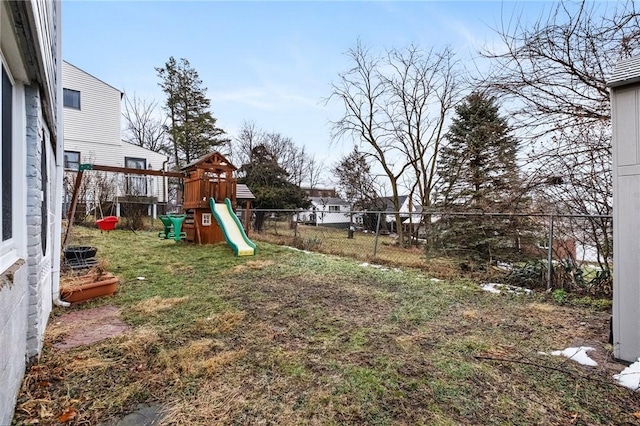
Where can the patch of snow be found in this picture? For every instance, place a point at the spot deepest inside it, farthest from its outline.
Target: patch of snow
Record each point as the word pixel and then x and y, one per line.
pixel 578 355
pixel 504 265
pixel 499 288
pixel 297 249
pixel 630 376
pixel 491 287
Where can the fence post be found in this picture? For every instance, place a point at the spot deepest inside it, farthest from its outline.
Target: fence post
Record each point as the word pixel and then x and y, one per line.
pixel 550 254
pixel 295 226
pixel 375 245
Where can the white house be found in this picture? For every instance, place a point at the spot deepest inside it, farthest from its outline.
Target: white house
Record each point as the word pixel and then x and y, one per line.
pixel 31 190
pixel 409 210
pixel 93 135
pixel 329 211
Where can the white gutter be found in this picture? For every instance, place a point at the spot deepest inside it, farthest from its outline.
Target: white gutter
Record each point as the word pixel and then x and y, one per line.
pixel 57 224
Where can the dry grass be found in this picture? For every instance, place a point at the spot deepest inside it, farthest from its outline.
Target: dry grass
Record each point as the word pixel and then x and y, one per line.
pixel 291 338
pixel 158 304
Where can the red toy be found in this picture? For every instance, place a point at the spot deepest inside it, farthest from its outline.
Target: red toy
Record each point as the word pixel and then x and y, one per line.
pixel 108 223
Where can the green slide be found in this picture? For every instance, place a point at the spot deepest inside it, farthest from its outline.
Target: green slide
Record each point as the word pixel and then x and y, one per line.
pixel 231 228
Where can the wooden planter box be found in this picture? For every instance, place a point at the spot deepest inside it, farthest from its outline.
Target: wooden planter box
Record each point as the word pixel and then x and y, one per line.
pixel 90 287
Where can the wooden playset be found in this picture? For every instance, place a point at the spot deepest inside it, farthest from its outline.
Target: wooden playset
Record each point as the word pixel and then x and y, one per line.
pixel 207 182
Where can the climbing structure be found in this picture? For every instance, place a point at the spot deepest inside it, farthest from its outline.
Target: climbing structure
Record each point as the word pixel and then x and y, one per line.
pixel 208 177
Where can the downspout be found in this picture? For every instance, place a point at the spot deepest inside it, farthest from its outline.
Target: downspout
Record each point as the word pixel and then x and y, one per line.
pixel 57 227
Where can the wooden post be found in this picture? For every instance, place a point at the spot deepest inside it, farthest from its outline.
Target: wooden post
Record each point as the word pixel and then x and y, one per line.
pixel 247 217
pixel 72 209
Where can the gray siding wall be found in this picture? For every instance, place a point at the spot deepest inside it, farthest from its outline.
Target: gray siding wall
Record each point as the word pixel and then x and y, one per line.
pixel 14 306
pixel 98 119
pixel 626 223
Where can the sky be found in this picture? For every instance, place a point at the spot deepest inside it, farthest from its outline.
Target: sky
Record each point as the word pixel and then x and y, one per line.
pixel 268 62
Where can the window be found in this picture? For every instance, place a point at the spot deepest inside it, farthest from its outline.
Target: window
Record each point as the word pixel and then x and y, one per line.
pixel 206 219
pixel 136 184
pixel 44 212
pixel 135 163
pixel 7 152
pixel 334 208
pixel 71 98
pixel 71 160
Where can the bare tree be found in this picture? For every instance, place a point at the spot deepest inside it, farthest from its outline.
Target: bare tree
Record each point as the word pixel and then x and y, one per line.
pixel 242 145
pixel 299 166
pixel 144 125
pixel 395 106
pixel 314 171
pixel 424 91
pixel 356 182
pixel 553 74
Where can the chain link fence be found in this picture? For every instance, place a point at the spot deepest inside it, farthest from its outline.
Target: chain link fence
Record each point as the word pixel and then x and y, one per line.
pixel 516 248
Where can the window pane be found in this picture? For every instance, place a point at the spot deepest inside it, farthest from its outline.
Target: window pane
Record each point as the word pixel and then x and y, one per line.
pixel 71 160
pixel 135 163
pixel 7 172
pixel 71 98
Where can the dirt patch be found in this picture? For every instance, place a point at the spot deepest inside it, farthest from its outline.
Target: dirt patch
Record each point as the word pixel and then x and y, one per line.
pixel 87 327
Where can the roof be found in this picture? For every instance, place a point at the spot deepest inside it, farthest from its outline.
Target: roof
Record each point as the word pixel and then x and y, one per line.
pixel 626 72
pixel 387 202
pixel 330 201
pixel 243 192
pixel 213 159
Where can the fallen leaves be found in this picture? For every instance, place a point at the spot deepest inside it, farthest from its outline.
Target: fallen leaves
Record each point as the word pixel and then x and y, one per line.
pixel 67 415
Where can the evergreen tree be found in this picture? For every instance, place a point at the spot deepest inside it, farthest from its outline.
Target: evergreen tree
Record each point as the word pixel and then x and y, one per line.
pixel 479 173
pixel 270 185
pixel 192 127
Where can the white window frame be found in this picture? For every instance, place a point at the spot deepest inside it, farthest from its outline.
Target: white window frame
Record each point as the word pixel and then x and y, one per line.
pixel 15 247
pixel 206 219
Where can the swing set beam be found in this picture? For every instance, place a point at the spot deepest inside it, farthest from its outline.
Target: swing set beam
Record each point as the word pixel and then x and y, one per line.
pixel 76 188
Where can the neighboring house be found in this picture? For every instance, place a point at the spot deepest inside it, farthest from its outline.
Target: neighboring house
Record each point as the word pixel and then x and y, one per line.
pixel 331 211
pixel 408 209
pixel 31 190
pixel 92 134
pixel 320 192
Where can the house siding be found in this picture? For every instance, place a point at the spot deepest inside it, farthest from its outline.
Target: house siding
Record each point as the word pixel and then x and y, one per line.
pixel 108 155
pixel 625 114
pixel 30 37
pixel 95 132
pixel 98 119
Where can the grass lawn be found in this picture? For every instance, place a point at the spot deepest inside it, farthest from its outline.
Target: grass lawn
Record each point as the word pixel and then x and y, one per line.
pixel 286 337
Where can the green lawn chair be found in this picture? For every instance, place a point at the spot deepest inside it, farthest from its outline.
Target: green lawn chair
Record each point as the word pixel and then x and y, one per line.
pixel 168 227
pixel 176 222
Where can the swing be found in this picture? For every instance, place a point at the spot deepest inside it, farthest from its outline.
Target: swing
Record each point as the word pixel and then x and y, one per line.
pixel 106 223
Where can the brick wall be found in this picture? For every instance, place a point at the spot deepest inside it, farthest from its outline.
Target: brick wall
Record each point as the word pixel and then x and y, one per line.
pixel 39 265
